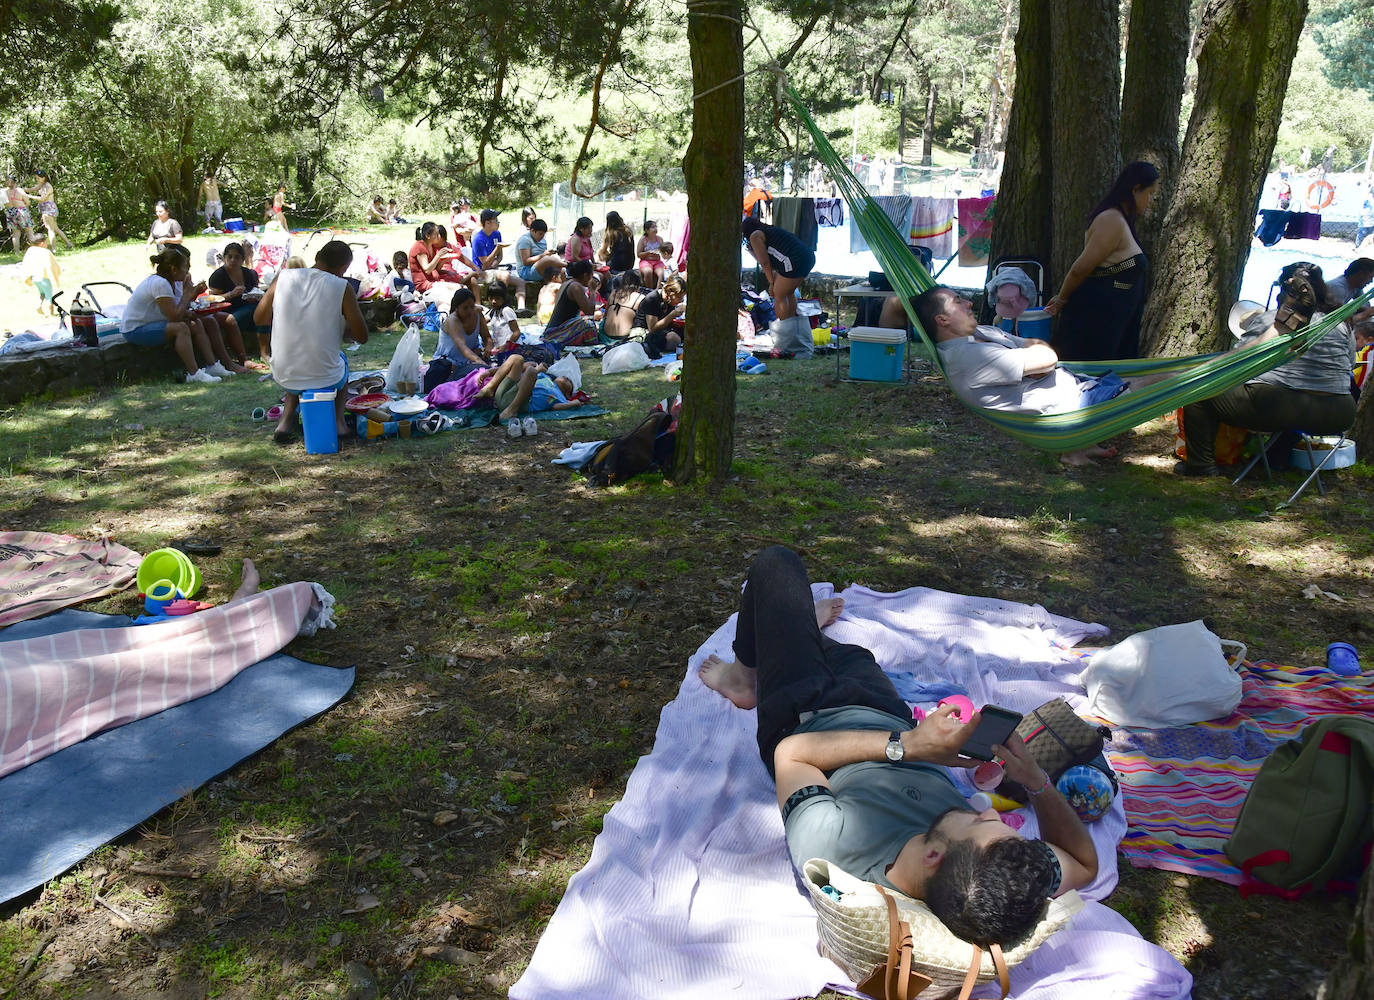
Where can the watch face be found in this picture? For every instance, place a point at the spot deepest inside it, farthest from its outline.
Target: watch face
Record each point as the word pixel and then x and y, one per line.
pixel 894 750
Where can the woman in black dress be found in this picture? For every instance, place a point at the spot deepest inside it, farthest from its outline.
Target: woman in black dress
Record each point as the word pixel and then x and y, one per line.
pixel 1103 295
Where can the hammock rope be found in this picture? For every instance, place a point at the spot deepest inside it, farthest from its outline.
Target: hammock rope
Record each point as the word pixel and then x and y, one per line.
pixel 1194 378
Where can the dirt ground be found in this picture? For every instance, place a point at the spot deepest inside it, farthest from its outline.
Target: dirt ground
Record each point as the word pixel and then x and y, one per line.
pixel 517 632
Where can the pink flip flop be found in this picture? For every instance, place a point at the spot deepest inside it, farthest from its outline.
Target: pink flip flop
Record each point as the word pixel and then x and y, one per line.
pixel 274 413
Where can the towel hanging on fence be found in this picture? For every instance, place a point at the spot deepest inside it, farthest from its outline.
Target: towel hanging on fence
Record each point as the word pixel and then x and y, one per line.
pixel 897 207
pixel 975 231
pixel 797 216
pixel 830 211
pixel 932 225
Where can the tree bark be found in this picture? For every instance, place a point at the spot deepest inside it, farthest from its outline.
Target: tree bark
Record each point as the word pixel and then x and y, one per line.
pixel 1362 433
pixel 1246 52
pixel 1353 976
pixel 714 172
pixel 928 133
pixel 1156 68
pixel 996 89
pixel 1085 88
pixel 1021 224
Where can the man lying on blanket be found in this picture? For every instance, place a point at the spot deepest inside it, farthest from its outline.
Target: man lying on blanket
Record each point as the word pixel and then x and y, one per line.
pixel 864 788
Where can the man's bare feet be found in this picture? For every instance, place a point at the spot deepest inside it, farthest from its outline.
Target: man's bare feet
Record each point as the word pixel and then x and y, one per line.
pixel 828 609
pixel 733 680
pixel 1088 456
pixel 736 681
pixel 249 581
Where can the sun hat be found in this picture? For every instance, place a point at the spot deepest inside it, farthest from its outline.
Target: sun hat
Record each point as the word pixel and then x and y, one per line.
pixel 1246 317
pixel 1014 276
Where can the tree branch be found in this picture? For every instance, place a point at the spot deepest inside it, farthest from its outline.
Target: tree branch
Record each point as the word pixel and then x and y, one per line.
pixel 612 44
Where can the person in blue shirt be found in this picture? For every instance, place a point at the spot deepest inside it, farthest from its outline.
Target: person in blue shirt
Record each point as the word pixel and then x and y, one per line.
pixel 488 253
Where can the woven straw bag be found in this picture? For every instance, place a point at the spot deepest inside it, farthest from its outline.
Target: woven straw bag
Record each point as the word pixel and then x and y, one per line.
pixel 854 931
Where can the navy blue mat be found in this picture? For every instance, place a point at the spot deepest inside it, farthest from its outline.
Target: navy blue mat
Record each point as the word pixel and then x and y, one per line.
pixel 58 810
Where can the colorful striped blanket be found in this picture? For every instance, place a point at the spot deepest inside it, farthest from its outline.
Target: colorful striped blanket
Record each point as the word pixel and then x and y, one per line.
pixel 1183 788
pixel 56 690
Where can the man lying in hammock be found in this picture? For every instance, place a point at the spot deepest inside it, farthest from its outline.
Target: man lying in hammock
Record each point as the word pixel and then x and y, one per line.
pixel 992 369
pixel 861 786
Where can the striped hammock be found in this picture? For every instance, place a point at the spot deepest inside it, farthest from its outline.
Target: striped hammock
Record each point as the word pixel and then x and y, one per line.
pixel 1193 378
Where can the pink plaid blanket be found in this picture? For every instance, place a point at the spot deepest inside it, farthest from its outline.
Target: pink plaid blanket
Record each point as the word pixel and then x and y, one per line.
pixel 57 690
pixel 40 572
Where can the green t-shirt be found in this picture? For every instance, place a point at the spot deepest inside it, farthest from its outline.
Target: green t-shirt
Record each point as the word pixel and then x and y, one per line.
pixel 875 808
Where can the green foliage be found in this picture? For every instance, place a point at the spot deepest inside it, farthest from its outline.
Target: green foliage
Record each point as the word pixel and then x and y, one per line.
pixel 1345 34
pixel 1317 114
pixel 49 40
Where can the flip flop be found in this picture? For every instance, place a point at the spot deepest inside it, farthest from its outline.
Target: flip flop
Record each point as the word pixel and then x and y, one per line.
pixel 259 413
pixel 196 546
pixel 274 413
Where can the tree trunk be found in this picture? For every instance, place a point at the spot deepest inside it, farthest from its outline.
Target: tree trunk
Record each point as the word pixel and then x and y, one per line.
pixel 928 136
pixel 1085 88
pixel 1353 976
pixel 1156 66
pixel 1362 433
pixel 714 171
pixel 1021 224
pixel 1246 52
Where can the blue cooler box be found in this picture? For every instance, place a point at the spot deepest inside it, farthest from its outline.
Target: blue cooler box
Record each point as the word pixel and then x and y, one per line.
pixel 233 225
pixel 1031 323
pixel 876 354
pixel 317 420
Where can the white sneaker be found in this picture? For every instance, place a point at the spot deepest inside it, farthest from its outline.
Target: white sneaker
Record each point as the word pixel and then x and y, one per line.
pixel 513 428
pixel 202 376
pixel 218 370
pixel 529 427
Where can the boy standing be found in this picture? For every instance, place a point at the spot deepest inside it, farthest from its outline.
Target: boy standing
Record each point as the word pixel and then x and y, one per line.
pixel 214 208
pixel 41 270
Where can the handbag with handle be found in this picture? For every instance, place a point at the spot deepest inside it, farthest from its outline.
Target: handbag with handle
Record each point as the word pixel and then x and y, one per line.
pixel 895 979
pixel 1058 739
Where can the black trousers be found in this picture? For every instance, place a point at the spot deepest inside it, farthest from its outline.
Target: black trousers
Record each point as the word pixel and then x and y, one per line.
pixel 1262 406
pixel 799 669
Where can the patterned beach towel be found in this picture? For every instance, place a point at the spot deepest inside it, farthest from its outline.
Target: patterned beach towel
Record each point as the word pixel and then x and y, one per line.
pixel 57 690
pixel 1183 787
pixel 40 572
pixel 975 231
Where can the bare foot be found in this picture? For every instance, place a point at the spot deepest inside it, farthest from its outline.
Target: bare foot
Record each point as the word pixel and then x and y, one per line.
pixel 828 610
pixel 249 581
pixel 733 680
pixel 1078 459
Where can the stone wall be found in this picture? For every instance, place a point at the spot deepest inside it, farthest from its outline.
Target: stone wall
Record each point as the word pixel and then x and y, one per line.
pixel 65 371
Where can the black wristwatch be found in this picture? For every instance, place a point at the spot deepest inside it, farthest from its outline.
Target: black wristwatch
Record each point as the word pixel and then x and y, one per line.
pixel 894 749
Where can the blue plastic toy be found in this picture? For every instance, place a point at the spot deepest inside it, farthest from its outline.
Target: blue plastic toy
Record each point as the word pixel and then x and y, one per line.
pixel 1087 790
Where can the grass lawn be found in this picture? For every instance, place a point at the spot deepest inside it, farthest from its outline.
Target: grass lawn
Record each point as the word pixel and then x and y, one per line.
pixel 516 634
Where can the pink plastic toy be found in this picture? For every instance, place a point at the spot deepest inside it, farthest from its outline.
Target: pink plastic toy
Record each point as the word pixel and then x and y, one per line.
pixel 963 707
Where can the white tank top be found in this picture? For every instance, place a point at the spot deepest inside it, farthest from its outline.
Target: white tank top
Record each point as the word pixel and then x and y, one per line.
pixel 307 329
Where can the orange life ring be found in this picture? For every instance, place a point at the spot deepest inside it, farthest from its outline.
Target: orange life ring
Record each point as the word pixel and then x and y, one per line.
pixel 1318 186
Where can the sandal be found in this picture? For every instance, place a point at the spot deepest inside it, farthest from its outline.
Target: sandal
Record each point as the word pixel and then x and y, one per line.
pixel 273 414
pixel 196 546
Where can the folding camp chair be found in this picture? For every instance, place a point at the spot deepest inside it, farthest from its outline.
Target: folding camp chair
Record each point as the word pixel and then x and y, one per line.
pixel 1335 457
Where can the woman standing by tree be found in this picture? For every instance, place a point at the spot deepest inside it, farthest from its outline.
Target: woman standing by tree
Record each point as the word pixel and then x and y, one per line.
pixel 46 204
pixel 165 229
pixel 1103 295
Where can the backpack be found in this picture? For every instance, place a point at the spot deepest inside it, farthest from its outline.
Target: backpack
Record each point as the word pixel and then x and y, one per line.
pixel 1307 817
pixel 648 446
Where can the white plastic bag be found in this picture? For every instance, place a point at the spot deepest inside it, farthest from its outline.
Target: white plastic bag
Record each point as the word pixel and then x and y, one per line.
pixel 1170 676
pixel 624 358
pixel 569 367
pixel 405 364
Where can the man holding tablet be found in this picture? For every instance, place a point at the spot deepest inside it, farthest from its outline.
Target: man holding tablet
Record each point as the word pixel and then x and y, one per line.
pixel 863 787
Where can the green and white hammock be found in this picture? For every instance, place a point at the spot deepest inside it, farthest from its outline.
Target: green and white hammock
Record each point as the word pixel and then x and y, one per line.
pixel 1194 378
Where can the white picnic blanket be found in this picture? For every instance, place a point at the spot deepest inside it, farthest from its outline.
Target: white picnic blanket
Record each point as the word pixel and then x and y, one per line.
pixel 689 891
